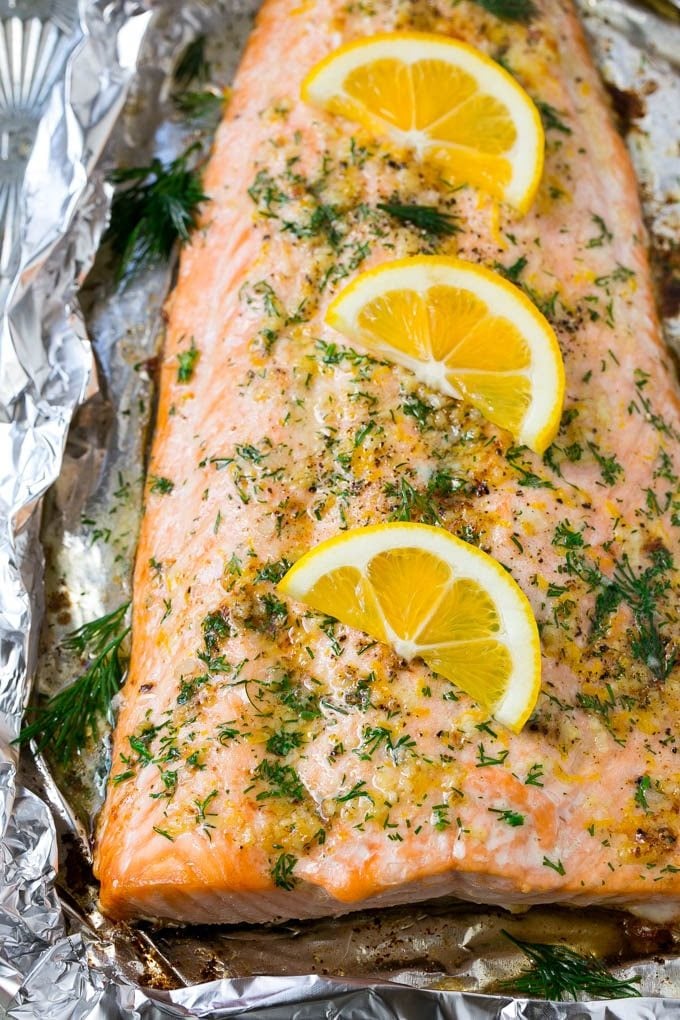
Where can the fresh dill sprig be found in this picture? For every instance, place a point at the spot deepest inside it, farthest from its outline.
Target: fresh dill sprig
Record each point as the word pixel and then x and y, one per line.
pixel 203 106
pixel 427 218
pixel 559 972
pixel 410 504
pixel 193 64
pixel 158 207
pixel 510 10
pixel 69 720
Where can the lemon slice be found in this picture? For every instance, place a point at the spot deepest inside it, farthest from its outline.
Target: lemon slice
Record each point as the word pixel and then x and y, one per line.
pixel 447 100
pixel 463 330
pixel 430 595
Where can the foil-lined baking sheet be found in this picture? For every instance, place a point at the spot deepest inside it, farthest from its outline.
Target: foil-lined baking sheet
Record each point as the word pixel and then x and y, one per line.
pixel 65 71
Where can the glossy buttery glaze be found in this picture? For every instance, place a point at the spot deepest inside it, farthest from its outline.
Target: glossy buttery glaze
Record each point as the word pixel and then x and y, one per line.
pixel 269 763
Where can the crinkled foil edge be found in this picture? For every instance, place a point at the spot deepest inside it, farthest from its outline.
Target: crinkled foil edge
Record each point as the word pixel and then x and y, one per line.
pixel 47 371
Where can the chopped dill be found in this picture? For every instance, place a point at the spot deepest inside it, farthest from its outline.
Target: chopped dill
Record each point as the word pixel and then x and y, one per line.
pixel 215 629
pixel 534 775
pixel 357 791
pixel 189 688
pixel 610 468
pixel 484 759
pixel 514 271
pixel 164 833
pixel 427 218
pixel 282 871
pixel 322 222
pixel 374 737
pixel 410 504
pixel 441 817
pixel 414 407
pixel 566 538
pixel 526 477
pixel 186 363
pixel 604 236
pixel 227 732
pixel 642 785
pixel 202 813
pixel 282 781
pixel 642 591
pixel 618 275
pixel 273 571
pixel 551 118
pixel 511 818
pixel 160 485
pixel 283 742
pixel 337 354
pixel 297 698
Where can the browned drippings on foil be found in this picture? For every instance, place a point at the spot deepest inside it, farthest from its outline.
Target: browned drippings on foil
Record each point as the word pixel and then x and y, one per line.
pixel 443 944
pixel 629 108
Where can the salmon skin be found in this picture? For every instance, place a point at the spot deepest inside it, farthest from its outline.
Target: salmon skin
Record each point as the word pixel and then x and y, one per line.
pixel 270 763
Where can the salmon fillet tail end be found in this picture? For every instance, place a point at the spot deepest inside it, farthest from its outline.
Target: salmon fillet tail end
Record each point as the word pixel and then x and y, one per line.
pixel 272 763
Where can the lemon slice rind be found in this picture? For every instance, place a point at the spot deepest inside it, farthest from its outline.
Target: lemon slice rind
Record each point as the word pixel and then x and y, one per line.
pixel 420 273
pixel 323 86
pixel 518 631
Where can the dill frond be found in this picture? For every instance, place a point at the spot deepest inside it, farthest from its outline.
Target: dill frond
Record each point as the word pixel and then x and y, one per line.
pixel 510 10
pixel 158 207
pixel 72 718
pixel 193 64
pixel 200 106
pixel 558 972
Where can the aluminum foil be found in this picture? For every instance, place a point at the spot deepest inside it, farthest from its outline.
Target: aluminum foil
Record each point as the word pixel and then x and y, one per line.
pixel 65 72
pixel 63 77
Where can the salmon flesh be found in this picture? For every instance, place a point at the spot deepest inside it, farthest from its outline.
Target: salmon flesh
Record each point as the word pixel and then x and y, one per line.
pixel 271 763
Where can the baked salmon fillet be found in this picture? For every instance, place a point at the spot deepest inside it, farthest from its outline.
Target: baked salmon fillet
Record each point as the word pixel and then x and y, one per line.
pixel 249 779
